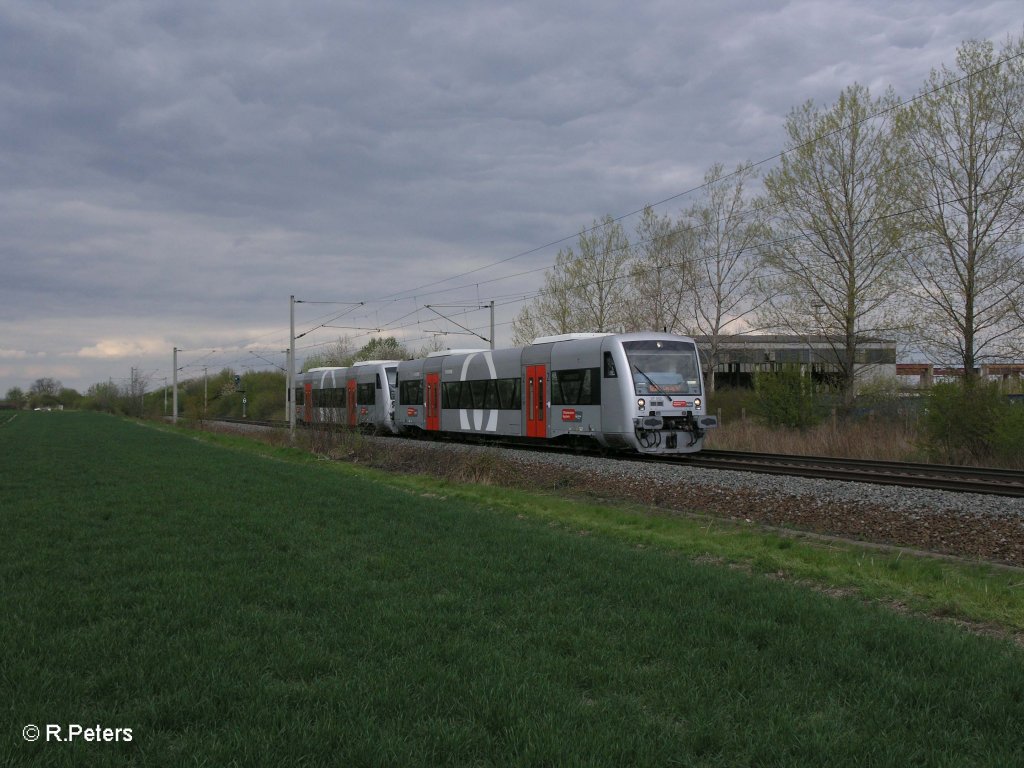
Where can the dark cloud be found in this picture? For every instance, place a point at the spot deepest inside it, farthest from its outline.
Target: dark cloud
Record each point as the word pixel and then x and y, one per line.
pixel 174 170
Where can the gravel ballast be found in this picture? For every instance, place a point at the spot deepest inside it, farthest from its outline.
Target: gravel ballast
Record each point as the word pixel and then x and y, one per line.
pixel 966 525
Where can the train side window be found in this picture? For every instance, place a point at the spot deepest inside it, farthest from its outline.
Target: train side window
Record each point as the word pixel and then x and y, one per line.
pixel 366 394
pixel 488 394
pixel 491 395
pixel 479 389
pixel 378 380
pixel 609 366
pixel 450 391
pixel 465 395
pixel 508 394
pixel 410 392
pixel 575 387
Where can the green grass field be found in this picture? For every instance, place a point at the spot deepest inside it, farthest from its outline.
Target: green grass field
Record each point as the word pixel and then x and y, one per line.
pixel 237 607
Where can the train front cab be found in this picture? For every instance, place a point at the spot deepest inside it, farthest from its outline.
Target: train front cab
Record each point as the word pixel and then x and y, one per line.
pixel 658 404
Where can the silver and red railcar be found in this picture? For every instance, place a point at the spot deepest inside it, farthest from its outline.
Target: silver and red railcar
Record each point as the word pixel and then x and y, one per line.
pixel 361 395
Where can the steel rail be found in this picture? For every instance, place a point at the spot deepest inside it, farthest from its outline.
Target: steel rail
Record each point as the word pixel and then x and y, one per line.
pixel 986 480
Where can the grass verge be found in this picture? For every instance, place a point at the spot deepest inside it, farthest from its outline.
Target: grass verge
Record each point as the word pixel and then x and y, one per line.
pixel 986 598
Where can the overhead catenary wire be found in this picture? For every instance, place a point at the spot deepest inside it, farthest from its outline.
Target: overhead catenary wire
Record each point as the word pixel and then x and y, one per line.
pixel 883 112
pixel 419 293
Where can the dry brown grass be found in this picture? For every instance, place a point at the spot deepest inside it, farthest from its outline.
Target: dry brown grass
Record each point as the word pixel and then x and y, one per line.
pixel 405 456
pixel 881 440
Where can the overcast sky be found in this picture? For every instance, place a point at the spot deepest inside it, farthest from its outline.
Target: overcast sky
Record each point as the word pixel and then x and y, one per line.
pixel 173 171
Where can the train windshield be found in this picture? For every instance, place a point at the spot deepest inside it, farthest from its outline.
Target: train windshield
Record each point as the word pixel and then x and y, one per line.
pixel 392 377
pixel 663 367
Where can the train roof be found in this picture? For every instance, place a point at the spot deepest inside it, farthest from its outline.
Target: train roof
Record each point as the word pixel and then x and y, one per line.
pixel 446 352
pixel 568 337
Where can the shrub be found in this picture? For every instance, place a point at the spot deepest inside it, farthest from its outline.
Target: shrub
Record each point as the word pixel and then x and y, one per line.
pixel 788 398
pixel 973 422
pixel 1008 436
pixel 733 403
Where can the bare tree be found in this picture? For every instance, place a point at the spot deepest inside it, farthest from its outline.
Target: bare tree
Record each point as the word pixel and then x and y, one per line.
pixel 551 311
pixel 45 387
pixel 44 392
pixel 585 290
pixel 382 348
pixel 728 231
pixel 1015 342
pixel 660 272
pixel 135 392
pixel 437 343
pixel 834 261
pixel 333 355
pixel 967 189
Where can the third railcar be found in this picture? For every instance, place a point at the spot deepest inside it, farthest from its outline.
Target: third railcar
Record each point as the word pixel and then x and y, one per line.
pixel 361 395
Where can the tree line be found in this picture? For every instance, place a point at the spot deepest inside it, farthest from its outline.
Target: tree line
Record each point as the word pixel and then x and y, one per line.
pixel 215 396
pixel 881 218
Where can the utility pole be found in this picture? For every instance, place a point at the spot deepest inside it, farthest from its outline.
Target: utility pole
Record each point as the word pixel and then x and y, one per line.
pixel 137 381
pixel 287 386
pixel 174 367
pixel 492 323
pixel 291 367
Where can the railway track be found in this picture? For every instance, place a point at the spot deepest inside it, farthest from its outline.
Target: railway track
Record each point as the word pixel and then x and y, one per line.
pixel 1000 482
pixel 269 423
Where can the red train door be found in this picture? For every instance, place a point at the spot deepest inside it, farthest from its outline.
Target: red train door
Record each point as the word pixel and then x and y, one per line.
pixel 536 401
pixel 350 402
pixel 433 404
pixel 307 405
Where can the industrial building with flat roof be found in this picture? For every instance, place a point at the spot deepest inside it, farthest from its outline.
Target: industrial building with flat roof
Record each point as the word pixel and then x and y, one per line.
pixel 743 355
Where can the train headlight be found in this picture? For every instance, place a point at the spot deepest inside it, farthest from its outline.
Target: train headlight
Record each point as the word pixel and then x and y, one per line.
pixel 696 402
pixel 641 403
